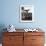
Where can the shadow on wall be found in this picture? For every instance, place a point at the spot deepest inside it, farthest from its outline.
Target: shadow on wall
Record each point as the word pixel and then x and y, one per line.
pixel 2 26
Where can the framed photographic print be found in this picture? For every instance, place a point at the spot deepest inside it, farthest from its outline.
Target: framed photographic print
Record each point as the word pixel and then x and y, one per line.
pixel 26 13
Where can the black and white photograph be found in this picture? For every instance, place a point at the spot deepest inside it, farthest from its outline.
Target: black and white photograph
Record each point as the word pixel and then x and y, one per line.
pixel 26 13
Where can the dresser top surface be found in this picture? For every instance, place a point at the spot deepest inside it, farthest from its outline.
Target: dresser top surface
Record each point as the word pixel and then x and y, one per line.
pixel 22 30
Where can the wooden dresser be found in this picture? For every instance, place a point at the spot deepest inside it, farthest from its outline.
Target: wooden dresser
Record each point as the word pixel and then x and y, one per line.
pixel 23 39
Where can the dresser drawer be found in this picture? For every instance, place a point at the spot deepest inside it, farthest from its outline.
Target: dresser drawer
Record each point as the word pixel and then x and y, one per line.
pixel 34 33
pixel 12 39
pixel 13 44
pixel 13 33
pixel 37 39
pixel 37 44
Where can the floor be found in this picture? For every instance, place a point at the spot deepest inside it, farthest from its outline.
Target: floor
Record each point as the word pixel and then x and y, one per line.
pixel 0 44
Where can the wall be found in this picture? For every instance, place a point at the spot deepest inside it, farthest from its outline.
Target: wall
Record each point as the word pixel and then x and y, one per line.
pixel 10 13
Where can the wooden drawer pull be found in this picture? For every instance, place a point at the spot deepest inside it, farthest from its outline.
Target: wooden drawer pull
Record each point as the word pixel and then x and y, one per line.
pixel 33 39
pixel 10 39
